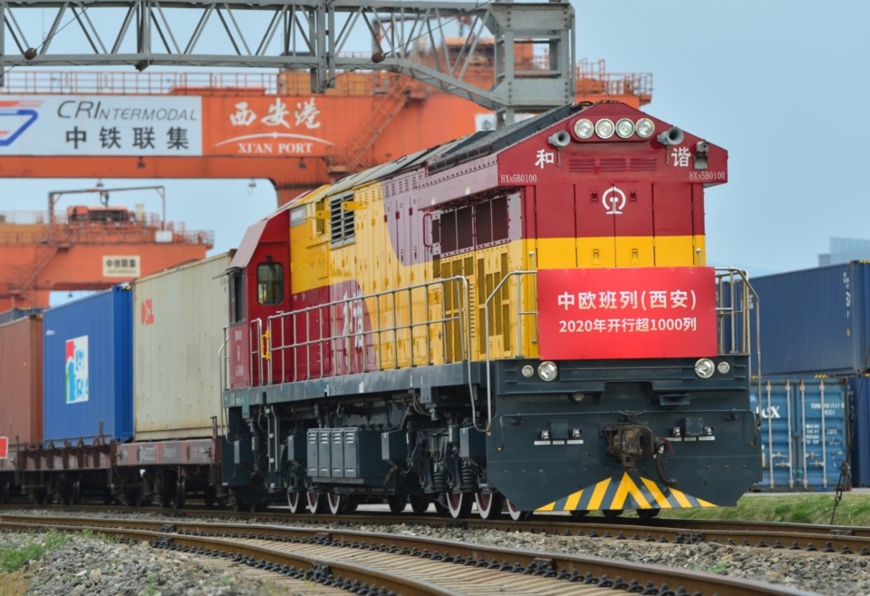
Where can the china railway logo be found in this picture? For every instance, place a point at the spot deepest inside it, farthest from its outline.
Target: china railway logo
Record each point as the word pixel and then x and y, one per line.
pixel 613 200
pixel 15 118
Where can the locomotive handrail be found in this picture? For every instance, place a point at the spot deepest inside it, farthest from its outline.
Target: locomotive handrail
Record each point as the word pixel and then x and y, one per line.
pixel 520 314
pixel 325 317
pixel 740 342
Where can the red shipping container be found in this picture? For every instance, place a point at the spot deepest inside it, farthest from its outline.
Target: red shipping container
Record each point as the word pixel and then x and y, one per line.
pixel 21 380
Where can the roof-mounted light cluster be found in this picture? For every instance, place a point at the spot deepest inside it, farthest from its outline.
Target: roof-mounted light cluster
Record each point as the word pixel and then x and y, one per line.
pixel 605 128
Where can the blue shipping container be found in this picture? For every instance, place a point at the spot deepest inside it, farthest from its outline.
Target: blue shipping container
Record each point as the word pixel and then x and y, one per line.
pixel 815 321
pixel 859 403
pixel 804 433
pixel 88 368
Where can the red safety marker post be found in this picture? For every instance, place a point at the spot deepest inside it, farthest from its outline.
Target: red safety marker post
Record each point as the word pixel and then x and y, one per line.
pixel 4 447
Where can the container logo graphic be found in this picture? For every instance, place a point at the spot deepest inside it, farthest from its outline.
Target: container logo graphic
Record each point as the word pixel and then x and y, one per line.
pixel 77 370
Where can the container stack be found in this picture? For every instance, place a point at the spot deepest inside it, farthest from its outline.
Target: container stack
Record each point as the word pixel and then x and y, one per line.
pixel 815 325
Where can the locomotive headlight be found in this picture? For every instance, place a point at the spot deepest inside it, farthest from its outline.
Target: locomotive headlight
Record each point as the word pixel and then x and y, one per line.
pixel 583 129
pixel 624 128
pixel 547 370
pixel 604 128
pixel 723 368
pixel 645 128
pixel 705 368
pixel 528 370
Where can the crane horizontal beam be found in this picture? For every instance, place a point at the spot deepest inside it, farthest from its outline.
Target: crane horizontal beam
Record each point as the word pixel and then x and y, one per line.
pixel 327 38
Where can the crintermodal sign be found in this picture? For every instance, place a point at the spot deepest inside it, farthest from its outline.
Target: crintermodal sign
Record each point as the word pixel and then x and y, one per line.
pixel 652 312
pixel 4 447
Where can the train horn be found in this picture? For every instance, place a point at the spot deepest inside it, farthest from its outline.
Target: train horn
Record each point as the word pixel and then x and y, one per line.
pixel 559 139
pixel 672 136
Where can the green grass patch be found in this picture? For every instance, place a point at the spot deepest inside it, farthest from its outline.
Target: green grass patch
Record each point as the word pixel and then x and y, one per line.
pixel 12 559
pixel 815 508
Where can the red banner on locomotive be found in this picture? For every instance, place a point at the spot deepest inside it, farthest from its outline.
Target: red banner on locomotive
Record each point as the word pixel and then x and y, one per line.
pixel 649 312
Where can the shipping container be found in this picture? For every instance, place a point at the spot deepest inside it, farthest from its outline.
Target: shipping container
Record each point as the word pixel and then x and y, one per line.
pixel 178 332
pixel 804 433
pixel 18 313
pixel 21 380
pixel 859 403
pixel 815 321
pixel 88 368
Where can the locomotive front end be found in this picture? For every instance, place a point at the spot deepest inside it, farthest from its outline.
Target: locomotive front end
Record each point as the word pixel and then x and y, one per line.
pixel 628 385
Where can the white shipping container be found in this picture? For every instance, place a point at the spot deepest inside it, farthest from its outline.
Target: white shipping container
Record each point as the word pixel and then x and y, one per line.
pixel 178 321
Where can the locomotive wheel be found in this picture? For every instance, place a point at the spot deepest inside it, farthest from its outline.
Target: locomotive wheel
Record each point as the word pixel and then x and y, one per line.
pixel 459 504
pixel 611 513
pixel 294 501
pixel 648 513
pixel 4 493
pixel 397 503
pixel 515 513
pixel 316 502
pixel 419 503
pixel 488 504
pixel 337 503
pixel 579 514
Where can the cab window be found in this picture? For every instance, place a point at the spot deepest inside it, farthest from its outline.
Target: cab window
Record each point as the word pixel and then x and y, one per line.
pixel 270 283
pixel 237 296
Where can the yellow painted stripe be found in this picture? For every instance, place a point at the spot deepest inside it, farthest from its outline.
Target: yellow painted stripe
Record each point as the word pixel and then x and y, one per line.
pixel 704 503
pixel 635 492
pixel 573 500
pixel 681 498
pixel 656 492
pixel 598 494
pixel 549 507
pixel 618 501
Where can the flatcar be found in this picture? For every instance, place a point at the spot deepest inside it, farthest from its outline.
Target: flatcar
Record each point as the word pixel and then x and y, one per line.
pixel 522 320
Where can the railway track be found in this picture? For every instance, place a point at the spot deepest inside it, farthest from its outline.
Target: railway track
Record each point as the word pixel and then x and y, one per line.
pixel 375 563
pixel 843 540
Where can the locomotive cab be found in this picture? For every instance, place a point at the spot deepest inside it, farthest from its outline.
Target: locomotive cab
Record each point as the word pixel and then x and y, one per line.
pixel 258 286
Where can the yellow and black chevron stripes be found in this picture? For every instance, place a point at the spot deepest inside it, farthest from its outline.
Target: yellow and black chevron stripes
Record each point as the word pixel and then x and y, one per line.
pixel 629 492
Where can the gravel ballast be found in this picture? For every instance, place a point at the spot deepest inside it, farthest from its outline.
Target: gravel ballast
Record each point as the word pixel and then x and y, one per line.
pixel 86 565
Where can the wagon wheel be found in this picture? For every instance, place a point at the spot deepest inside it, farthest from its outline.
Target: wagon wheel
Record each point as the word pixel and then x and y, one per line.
pixel 488 504
pixel 337 503
pixel 419 503
pixel 76 493
pixel 397 503
pixel 180 493
pixel 579 514
pixel 611 513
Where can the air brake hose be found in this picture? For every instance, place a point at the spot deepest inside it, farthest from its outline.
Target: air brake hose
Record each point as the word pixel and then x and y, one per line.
pixel 659 452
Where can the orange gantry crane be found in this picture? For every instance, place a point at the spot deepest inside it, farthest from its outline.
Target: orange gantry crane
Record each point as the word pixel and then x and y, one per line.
pixel 87 247
pixel 156 125
pixel 246 125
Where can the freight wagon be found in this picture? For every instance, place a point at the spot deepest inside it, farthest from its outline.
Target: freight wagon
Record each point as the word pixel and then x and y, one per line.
pixel 137 433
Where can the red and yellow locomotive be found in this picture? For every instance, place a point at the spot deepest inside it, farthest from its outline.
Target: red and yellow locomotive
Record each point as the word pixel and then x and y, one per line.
pixel 523 319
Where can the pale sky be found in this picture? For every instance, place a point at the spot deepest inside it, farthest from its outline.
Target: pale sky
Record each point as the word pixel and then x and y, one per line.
pixel 780 85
